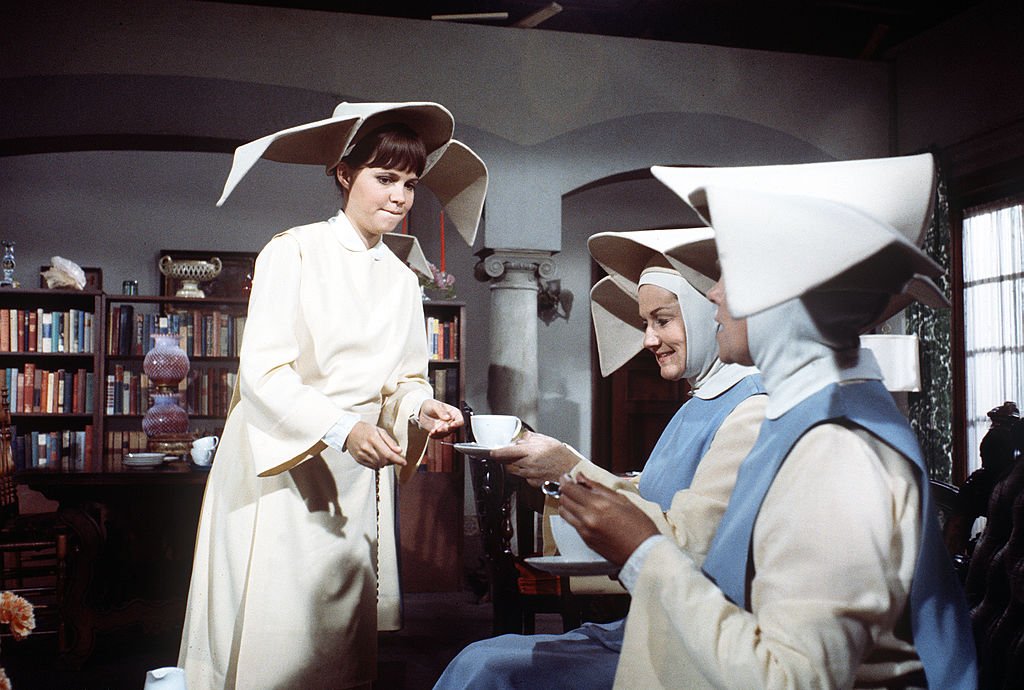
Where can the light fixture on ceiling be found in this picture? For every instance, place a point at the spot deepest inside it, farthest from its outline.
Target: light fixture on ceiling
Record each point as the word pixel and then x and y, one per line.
pixel 470 17
pixel 528 22
pixel 541 15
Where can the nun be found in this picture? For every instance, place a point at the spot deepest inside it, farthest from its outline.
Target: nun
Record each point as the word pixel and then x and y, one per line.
pixel 295 566
pixel 700 449
pixel 828 568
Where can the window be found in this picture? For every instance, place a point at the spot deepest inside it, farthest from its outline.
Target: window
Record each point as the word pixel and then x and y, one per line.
pixel 993 281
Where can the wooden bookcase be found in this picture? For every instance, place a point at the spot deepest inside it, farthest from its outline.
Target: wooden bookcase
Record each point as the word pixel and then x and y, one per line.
pixel 52 336
pixel 210 332
pixel 431 502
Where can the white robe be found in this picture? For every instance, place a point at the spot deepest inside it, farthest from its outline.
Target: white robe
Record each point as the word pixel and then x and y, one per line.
pixel 835 545
pixel 285 590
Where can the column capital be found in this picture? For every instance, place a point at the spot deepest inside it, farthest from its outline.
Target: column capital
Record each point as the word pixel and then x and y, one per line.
pixel 498 265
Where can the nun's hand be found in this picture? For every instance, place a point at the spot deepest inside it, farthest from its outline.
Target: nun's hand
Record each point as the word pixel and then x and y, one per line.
pixel 607 520
pixel 536 458
pixel 439 419
pixel 372 447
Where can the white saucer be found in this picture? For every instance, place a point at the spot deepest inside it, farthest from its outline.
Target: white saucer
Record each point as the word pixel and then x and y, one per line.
pixel 560 565
pixel 475 450
pixel 143 459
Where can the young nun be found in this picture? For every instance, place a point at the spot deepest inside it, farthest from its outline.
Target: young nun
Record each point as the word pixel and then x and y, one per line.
pixel 295 567
pixel 828 569
pixel 700 449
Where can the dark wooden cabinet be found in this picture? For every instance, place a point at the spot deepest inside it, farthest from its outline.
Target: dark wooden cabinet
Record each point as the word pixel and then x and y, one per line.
pixel 431 502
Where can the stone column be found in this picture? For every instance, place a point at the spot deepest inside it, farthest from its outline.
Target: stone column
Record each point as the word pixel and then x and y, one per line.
pixel 512 386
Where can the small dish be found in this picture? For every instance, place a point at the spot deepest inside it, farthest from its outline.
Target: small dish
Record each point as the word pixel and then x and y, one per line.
pixel 560 565
pixel 475 450
pixel 143 460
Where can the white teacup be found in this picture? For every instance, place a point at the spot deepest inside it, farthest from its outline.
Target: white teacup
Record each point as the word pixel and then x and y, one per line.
pixel 206 442
pixel 569 542
pixel 495 430
pixel 202 456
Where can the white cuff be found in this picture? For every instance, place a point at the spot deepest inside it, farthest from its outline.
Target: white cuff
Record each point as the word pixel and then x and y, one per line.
pixel 338 434
pixel 631 568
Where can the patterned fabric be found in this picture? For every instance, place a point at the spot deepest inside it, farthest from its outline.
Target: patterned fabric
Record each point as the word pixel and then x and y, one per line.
pixel 931 410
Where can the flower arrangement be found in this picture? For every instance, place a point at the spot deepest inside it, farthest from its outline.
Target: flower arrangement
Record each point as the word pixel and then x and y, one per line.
pixel 19 615
pixel 440 284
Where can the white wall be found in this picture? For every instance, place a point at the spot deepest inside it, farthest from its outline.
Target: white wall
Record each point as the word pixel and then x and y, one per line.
pixel 549 112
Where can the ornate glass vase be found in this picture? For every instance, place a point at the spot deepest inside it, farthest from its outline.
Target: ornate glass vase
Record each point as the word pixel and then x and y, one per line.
pixel 165 422
pixel 166 364
pixel 165 417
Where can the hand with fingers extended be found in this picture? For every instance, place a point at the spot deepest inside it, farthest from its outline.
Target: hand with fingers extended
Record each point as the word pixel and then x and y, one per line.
pixel 439 419
pixel 372 447
pixel 609 522
pixel 536 458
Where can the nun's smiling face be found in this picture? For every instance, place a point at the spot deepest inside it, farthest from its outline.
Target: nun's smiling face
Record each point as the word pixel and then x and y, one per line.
pixel 733 346
pixel 664 331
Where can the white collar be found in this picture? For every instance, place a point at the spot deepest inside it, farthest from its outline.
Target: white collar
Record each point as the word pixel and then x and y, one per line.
pixel 722 378
pixel 352 241
pixel 812 377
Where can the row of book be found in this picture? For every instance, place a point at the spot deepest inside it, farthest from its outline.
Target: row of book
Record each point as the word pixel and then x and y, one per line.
pixel 33 390
pixel 443 338
pixel 201 333
pixel 445 383
pixel 209 391
pixel 64 450
pixel 440 456
pixel 42 330
pixel 206 391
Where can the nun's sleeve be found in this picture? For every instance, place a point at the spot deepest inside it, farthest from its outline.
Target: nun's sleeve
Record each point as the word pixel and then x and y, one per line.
pixel 285 419
pixel 834 549
pixel 409 387
pixel 695 512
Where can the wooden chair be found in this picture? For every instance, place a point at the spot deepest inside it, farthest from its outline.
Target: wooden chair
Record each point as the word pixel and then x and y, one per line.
pixel 518 591
pixel 995 583
pixel 33 548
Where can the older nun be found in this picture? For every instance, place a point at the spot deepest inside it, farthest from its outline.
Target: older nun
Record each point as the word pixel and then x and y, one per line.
pixel 699 451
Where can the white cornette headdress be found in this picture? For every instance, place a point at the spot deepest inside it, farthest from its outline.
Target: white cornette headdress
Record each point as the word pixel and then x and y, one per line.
pixel 784 230
pixel 453 172
pixel 629 257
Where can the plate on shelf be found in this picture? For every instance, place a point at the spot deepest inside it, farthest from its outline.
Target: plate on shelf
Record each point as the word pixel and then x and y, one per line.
pixel 138 460
pixel 474 450
pixel 560 565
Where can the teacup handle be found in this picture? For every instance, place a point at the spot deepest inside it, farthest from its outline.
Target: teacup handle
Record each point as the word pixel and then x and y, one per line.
pixel 519 430
pixel 216 441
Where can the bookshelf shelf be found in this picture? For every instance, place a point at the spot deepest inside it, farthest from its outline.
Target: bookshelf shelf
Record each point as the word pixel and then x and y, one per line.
pixel 210 332
pixel 49 363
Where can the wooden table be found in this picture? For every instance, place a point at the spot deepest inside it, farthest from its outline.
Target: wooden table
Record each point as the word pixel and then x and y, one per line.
pixel 133 536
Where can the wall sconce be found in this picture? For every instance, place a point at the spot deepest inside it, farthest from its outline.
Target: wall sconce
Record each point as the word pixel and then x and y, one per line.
pixel 553 302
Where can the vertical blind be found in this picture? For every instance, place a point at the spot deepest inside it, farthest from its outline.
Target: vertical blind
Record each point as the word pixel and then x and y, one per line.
pixel 993 261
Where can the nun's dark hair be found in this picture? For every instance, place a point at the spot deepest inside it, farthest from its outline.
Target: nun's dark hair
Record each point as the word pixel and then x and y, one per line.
pixel 395 146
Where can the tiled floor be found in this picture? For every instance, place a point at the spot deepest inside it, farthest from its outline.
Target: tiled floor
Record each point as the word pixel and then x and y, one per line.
pixel 437 626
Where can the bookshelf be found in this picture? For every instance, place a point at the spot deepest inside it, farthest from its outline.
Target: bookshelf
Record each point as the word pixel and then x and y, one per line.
pixel 445 323
pixel 431 502
pixel 50 361
pixel 210 332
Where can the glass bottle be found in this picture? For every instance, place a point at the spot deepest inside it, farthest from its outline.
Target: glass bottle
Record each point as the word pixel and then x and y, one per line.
pixel 7 265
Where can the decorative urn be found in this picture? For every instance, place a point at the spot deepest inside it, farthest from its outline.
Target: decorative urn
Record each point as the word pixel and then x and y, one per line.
pixel 190 272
